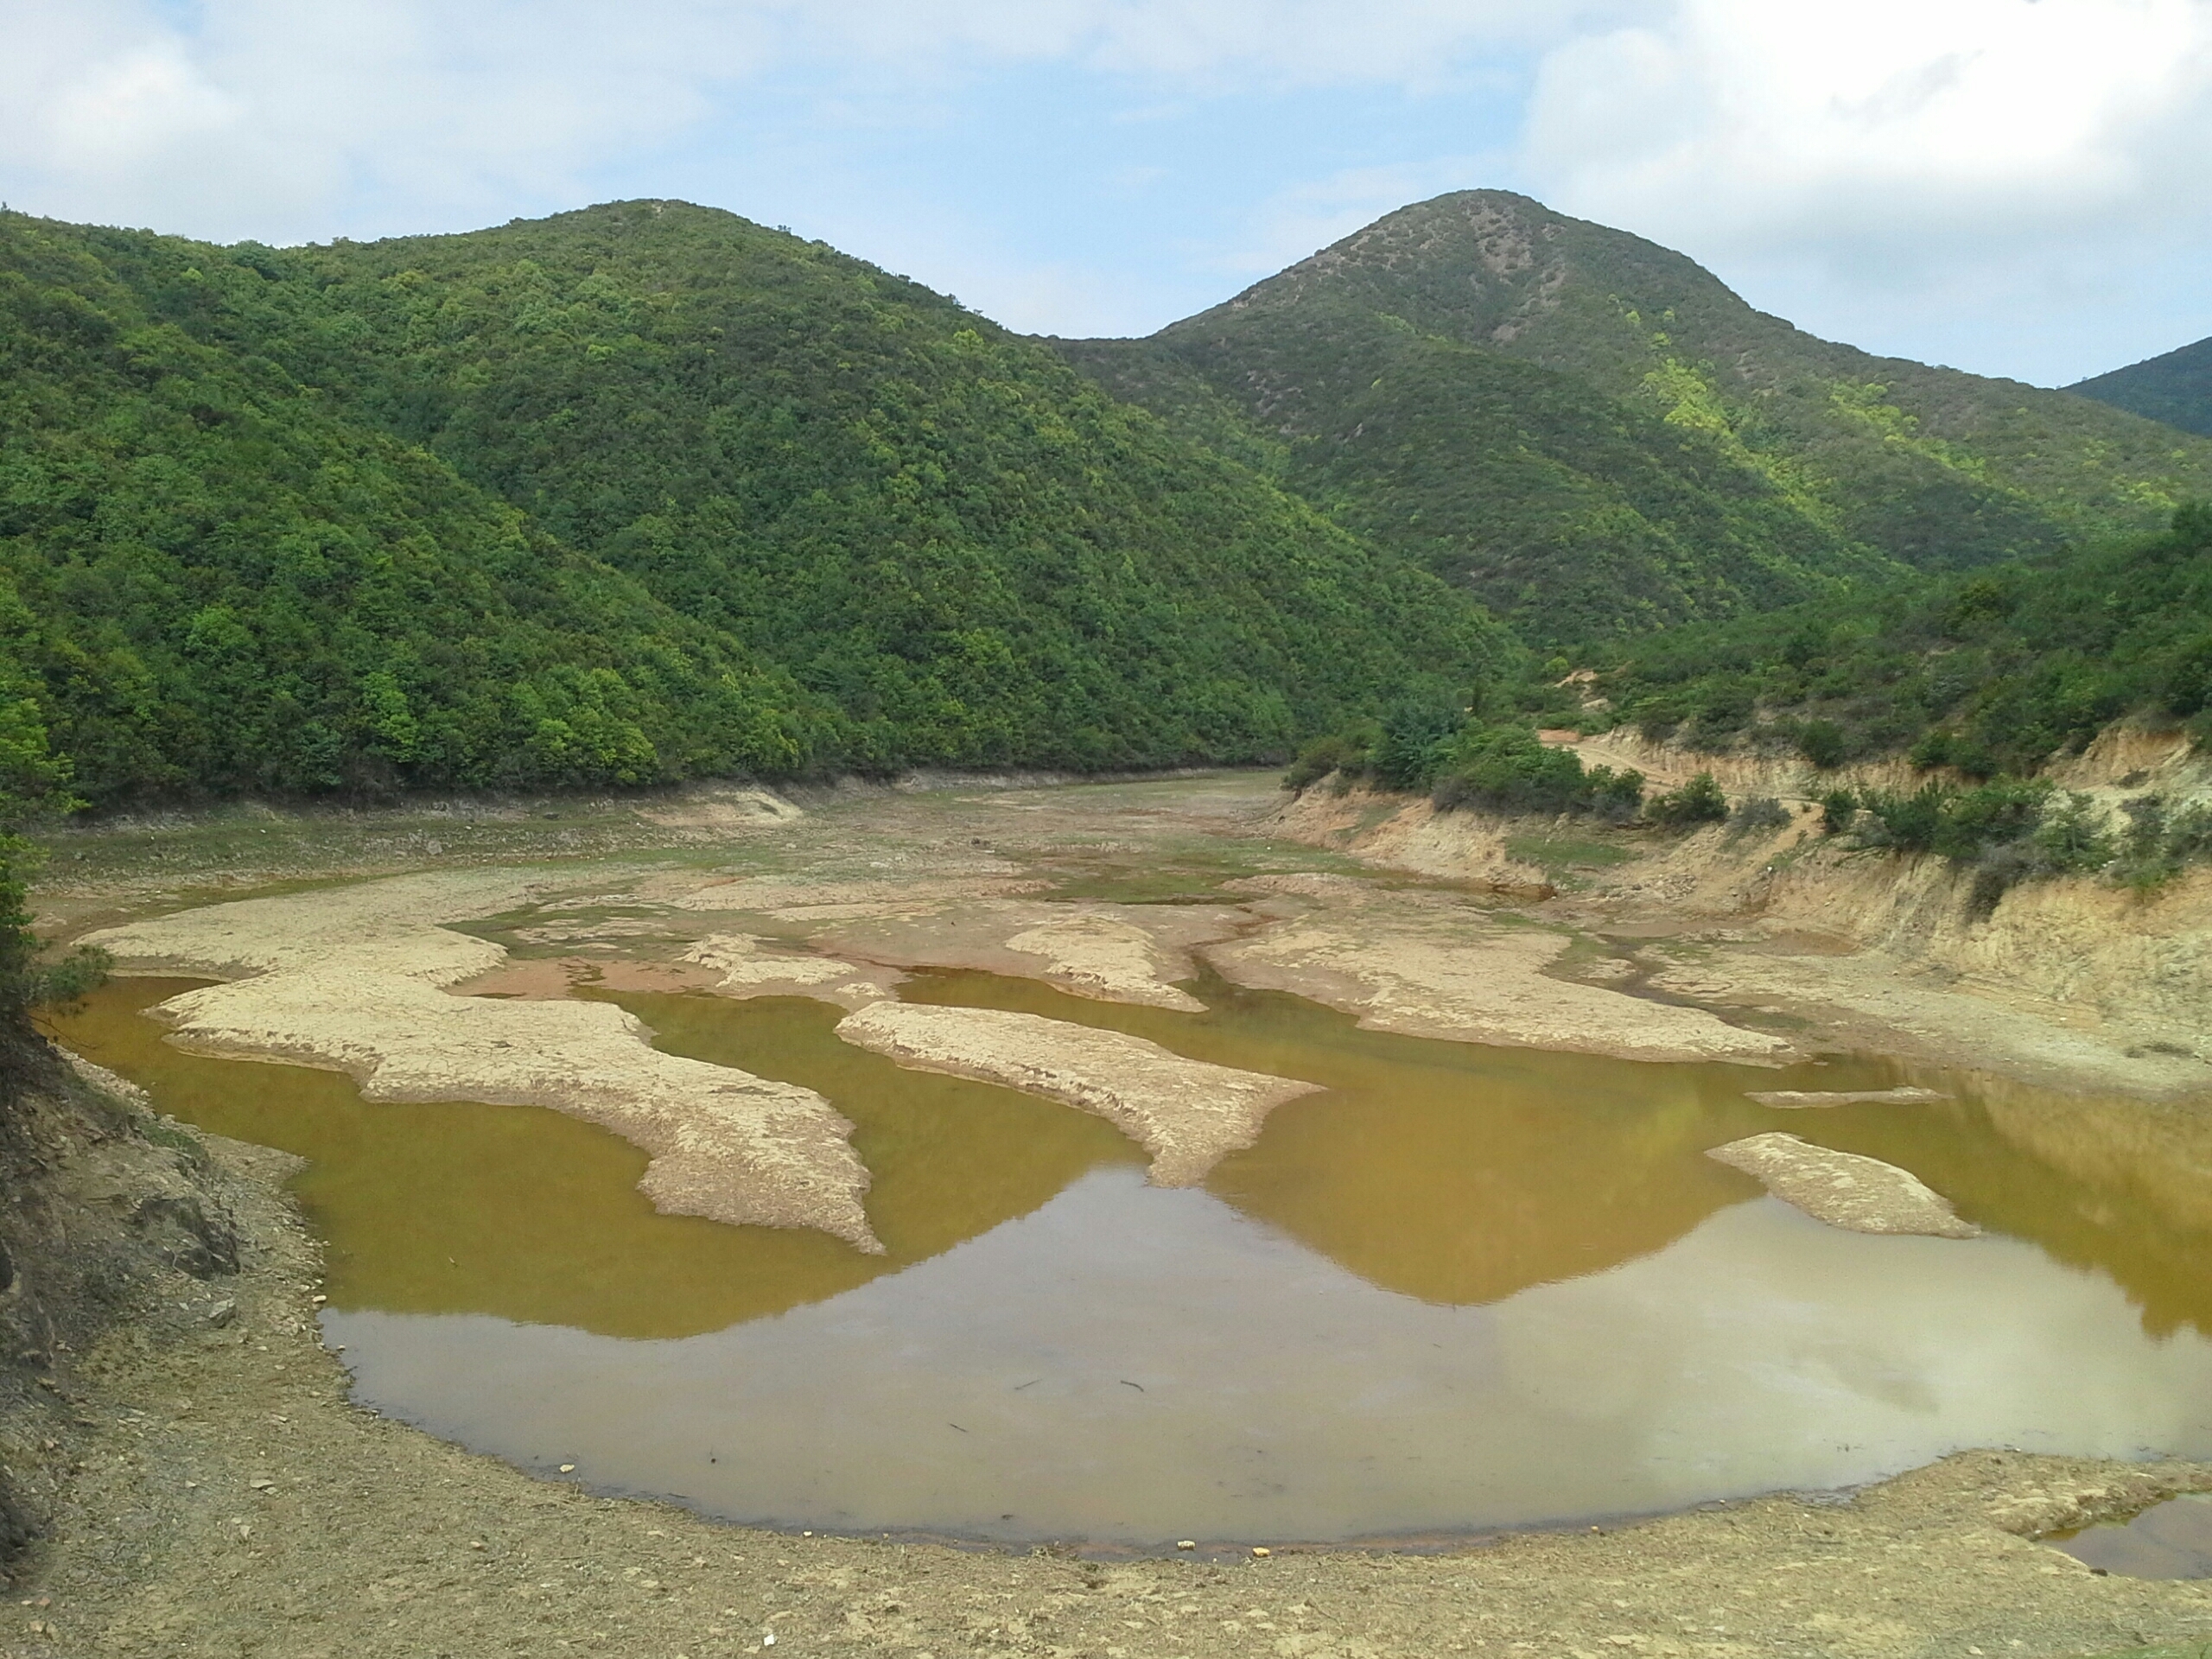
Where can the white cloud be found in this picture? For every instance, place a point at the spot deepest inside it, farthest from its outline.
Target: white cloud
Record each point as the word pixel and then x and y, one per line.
pixel 277 120
pixel 1878 168
pixel 1921 126
pixel 2007 185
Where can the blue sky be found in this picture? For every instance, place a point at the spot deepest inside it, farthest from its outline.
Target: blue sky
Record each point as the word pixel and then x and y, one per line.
pixel 2015 187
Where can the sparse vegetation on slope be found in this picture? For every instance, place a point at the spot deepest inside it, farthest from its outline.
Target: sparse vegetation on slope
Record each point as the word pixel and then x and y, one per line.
pixel 1985 673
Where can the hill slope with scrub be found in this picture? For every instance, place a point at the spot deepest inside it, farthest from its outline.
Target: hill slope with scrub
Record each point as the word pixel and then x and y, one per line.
pixel 1597 436
pixel 2175 387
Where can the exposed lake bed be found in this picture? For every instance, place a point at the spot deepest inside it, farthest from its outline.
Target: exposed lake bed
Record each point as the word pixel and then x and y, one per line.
pixel 1450 1284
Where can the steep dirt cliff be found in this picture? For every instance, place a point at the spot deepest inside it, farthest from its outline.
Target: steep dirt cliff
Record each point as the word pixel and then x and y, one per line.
pixel 108 1218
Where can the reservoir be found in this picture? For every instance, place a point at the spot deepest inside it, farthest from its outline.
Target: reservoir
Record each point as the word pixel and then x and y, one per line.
pixel 1460 1287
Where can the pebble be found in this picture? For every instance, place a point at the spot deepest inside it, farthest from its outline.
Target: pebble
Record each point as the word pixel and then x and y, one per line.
pixel 222 1313
pixel 1186 1543
pixel 1262 1552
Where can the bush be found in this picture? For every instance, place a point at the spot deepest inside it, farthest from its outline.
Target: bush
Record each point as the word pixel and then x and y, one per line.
pixel 69 978
pixel 1699 801
pixel 1838 807
pixel 1908 823
pixel 2072 838
pixel 1345 752
pixel 2000 870
pixel 1615 797
pixel 1507 769
pixel 1822 742
pixel 1989 815
pixel 1933 750
pixel 1756 814
pixel 1413 745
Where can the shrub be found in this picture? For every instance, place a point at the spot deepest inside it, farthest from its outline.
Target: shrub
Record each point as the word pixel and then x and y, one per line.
pixel 1989 815
pixel 1933 750
pixel 1997 872
pixel 1338 751
pixel 2072 837
pixel 1822 742
pixel 1412 744
pixel 1699 801
pixel 1507 769
pixel 1759 814
pixel 1909 824
pixel 1838 807
pixel 1616 797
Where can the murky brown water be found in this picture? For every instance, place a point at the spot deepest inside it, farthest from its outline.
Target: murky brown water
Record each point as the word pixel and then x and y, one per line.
pixel 2171 1540
pixel 1462 1287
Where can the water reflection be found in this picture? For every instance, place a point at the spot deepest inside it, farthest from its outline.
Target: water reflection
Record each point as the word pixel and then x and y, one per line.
pixel 2172 1539
pixel 1446 1172
pixel 1461 1287
pixel 461 1207
pixel 1133 1364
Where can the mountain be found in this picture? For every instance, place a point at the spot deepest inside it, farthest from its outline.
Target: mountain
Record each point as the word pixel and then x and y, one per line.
pixel 2176 388
pixel 637 492
pixel 1597 436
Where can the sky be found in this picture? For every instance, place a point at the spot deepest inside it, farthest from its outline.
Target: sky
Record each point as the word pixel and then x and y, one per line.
pixel 2020 187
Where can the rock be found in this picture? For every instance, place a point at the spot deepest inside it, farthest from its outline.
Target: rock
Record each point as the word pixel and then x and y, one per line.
pixel 188 1237
pixel 222 1313
pixel 1843 1189
pixel 1790 1100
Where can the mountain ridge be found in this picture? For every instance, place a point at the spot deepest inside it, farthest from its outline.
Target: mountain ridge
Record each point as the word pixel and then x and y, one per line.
pixel 1687 434
pixel 2174 387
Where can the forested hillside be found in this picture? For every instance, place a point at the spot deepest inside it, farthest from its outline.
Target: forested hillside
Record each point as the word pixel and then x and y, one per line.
pixel 2176 388
pixel 1597 436
pixel 635 494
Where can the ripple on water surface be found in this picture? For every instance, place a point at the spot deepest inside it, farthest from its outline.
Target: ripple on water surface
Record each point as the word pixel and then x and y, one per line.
pixel 1461 1288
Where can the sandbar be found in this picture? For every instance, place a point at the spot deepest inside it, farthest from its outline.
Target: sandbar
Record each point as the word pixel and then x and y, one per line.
pixel 355 979
pixel 1187 1114
pixel 1844 1189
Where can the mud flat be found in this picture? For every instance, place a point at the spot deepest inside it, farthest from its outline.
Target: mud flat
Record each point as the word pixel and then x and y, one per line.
pixel 740 964
pixel 1425 965
pixel 1844 1189
pixel 1187 1114
pixel 1116 953
pixel 354 979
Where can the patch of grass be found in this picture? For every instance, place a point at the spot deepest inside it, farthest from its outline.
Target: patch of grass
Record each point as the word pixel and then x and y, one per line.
pixel 1567 852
